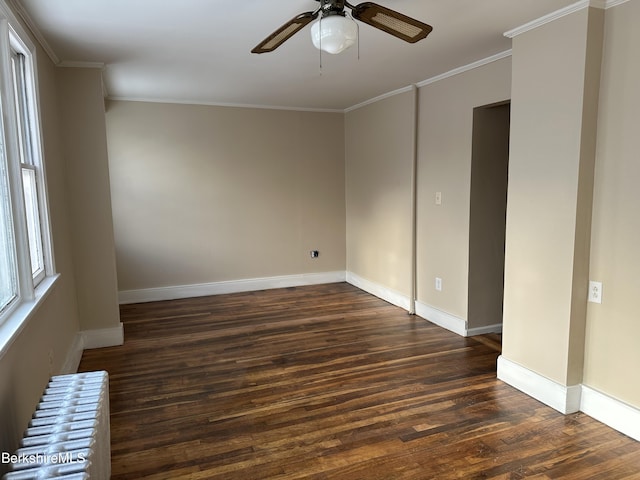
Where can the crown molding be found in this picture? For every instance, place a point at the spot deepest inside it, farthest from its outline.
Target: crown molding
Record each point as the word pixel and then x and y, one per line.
pixel 614 3
pixel 75 64
pixel 568 10
pixel 220 104
pixel 18 9
pixel 378 98
pixel 437 78
pixel 550 17
pixel 466 68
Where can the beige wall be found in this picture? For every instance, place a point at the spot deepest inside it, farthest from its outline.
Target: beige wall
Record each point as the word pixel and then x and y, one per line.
pixel 83 133
pixel 613 329
pixel 444 146
pixel 379 158
pixel 25 367
pixel 207 194
pixel 549 200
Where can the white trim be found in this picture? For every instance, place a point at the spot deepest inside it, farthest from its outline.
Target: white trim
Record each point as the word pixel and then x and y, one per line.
pixel 431 314
pixel 20 316
pixel 442 319
pixel 466 68
pixel 452 322
pixel 437 78
pixel 103 337
pixel 495 328
pixel 565 399
pixel 378 98
pixel 614 3
pixel 74 355
pixel 387 294
pixel 24 45
pixel 563 12
pixel 456 71
pixel 221 104
pixel 16 7
pixel 76 64
pixel 610 411
pixel 231 286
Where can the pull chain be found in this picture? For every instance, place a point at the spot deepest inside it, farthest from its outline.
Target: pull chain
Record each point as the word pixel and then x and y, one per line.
pixel 320 49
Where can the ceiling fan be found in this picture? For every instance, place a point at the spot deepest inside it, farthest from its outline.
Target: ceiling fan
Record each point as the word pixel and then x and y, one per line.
pixel 333 21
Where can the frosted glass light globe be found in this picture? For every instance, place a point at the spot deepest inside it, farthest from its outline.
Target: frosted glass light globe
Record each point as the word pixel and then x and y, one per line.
pixel 334 34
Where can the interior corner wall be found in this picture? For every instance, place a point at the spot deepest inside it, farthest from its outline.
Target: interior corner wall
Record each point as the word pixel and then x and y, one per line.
pixel 84 146
pixel 41 349
pixel 613 329
pixel 378 161
pixel 549 197
pixel 207 194
pixel 444 165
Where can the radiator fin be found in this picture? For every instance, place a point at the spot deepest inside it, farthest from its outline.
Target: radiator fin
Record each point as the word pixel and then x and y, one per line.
pixel 68 437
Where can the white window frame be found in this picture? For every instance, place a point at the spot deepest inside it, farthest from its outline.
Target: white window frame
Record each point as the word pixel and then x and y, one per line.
pixel 31 290
pixel 33 159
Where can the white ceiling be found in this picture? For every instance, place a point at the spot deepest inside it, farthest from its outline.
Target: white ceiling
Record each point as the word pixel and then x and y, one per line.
pixel 198 51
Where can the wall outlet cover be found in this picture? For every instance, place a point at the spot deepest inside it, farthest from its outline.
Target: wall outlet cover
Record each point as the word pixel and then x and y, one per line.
pixel 595 292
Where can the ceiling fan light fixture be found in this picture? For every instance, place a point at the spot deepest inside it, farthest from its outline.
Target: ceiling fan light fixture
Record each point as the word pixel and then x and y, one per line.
pixel 334 33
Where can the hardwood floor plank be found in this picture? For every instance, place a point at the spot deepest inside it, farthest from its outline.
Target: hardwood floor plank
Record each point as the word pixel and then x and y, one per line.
pixel 329 382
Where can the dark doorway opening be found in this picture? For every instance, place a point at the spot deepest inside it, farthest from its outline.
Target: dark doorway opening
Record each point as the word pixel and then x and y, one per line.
pixel 487 221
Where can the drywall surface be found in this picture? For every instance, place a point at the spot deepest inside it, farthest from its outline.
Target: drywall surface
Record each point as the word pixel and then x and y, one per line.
pixel 613 329
pixel 379 158
pixel 444 152
pixel 207 194
pixel 83 132
pixel 554 99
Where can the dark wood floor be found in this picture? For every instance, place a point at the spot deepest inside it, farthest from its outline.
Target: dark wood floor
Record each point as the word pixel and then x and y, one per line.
pixel 328 382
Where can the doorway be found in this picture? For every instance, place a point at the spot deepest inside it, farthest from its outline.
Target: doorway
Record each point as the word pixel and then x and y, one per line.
pixel 487 220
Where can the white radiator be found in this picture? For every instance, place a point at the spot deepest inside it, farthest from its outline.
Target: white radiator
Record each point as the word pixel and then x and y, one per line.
pixel 68 437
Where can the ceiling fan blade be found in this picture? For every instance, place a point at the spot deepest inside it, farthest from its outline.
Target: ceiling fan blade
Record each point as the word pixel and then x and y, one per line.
pixel 285 32
pixel 395 23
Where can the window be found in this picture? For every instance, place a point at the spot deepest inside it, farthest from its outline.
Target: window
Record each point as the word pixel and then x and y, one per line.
pixel 28 162
pixel 25 241
pixel 8 280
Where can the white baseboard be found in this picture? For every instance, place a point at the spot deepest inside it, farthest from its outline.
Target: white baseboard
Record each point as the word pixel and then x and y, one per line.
pixel 74 355
pixel 231 286
pixel 610 411
pixel 565 399
pixel 386 294
pixel 442 319
pixel 495 328
pixel 104 337
pixel 453 323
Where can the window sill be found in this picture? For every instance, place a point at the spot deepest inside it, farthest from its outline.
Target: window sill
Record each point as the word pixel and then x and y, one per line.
pixel 19 318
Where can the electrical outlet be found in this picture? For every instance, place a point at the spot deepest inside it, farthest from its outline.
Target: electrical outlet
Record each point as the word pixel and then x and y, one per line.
pixel 438 198
pixel 595 292
pixel 438 284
